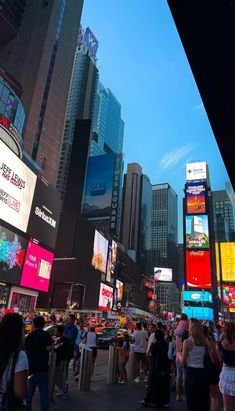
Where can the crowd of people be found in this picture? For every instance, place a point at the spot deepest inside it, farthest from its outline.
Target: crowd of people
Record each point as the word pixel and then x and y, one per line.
pixel 195 359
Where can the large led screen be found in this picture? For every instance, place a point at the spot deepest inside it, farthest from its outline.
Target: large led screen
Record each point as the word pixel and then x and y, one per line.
pixel 105 298
pixel 37 267
pixel 229 295
pixel 99 186
pixel 12 253
pixel 197 235
pixel 197 296
pixel 227 251
pixel 17 184
pixel 112 257
pixel 195 198
pixel 45 214
pixel 118 295
pixel 196 171
pixel 198 269
pixel 100 251
pixel 201 313
pixel 162 274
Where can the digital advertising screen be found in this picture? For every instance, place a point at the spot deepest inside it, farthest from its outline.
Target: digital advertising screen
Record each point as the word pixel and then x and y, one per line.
pixel 195 198
pixel 37 268
pixel 198 269
pixel 105 298
pixel 100 251
pixel 227 252
pixel 197 296
pixel 45 213
pixel 17 185
pixel 196 171
pixel 197 235
pixel 12 253
pixel 112 258
pixel 118 295
pixel 162 274
pixel 201 313
pixel 229 295
pixel 99 186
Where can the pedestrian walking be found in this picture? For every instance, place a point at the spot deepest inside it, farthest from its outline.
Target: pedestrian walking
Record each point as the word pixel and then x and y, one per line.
pixel 91 341
pixel 64 352
pixel 227 376
pixel 193 355
pixel 13 364
pixel 140 340
pixel 38 344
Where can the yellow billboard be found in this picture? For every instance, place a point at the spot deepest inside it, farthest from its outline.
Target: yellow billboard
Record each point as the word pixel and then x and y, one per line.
pixel 228 261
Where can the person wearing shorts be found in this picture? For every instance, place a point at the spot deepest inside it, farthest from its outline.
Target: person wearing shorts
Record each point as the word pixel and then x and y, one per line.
pixel 91 342
pixel 140 340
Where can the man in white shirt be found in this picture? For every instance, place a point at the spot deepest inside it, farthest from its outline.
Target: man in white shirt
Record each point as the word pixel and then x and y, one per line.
pixel 140 340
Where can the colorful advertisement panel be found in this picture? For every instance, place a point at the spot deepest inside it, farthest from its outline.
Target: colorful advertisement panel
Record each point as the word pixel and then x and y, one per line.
pixel 37 267
pixel 227 251
pixel 197 235
pixel 17 184
pixel 229 295
pixel 105 298
pixel 162 274
pixel 201 313
pixel 195 198
pixel 196 171
pixel 198 269
pixel 197 296
pixel 99 185
pixel 100 251
pixel 12 252
pixel 45 214
pixel 118 295
pixel 112 258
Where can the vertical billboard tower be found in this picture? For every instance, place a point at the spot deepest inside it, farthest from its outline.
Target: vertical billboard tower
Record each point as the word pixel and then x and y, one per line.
pixel 198 241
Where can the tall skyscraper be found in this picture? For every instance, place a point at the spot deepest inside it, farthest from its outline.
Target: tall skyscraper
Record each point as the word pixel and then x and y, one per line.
pixel 164 235
pixel 136 215
pixel 223 213
pixel 81 100
pixel 41 59
pixel 108 126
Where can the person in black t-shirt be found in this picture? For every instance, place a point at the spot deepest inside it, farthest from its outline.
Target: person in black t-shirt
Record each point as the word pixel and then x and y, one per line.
pixel 64 349
pixel 37 346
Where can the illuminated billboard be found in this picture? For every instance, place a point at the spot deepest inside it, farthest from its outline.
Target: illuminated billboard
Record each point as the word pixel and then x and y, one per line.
pixel 195 198
pixel 197 296
pixel 17 184
pixel 198 269
pixel 112 257
pixel 227 251
pixel 105 298
pixel 99 186
pixel 201 313
pixel 197 235
pixel 118 295
pixel 100 251
pixel 162 274
pixel 37 268
pixel 196 171
pixel 12 252
pixel 229 295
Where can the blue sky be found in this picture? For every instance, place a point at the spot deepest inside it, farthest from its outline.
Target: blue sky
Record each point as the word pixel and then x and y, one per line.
pixel 141 59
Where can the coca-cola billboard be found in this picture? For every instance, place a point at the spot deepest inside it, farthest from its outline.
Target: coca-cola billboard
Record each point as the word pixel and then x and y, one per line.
pixel 198 269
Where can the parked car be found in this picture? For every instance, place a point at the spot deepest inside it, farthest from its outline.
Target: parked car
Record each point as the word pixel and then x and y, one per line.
pixel 106 337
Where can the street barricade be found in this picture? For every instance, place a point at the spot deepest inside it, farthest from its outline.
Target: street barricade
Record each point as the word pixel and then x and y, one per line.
pixel 85 369
pixel 112 365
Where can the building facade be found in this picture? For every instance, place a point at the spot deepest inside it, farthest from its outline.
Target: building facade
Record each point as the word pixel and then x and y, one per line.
pixel 168 298
pixel 11 14
pixel 81 100
pixel 164 234
pixel 223 215
pixel 40 57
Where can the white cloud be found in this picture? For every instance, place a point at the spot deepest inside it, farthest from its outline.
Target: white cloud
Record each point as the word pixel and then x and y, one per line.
pixel 199 106
pixel 175 157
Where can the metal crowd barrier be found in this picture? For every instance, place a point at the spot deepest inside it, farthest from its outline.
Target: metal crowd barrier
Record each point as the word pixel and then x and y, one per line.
pixel 112 365
pixel 85 369
pixel 52 370
pixel 131 364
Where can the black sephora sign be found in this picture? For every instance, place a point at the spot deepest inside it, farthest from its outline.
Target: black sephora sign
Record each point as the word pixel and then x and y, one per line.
pixel 45 214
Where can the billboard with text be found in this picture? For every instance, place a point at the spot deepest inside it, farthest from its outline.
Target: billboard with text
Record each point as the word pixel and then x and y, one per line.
pixel 195 198
pixel 197 232
pixel 100 251
pixel 227 251
pixel 198 269
pixel 162 274
pixel 196 171
pixel 105 298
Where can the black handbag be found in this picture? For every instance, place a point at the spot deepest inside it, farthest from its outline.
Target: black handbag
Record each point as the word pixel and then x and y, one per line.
pixel 9 401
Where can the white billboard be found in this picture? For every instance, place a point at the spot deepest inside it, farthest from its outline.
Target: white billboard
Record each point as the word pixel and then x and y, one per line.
pixel 17 185
pixel 196 171
pixel 162 274
pixel 105 298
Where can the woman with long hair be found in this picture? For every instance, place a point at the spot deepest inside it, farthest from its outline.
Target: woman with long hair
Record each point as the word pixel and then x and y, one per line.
pixel 215 367
pixel 13 361
pixel 193 355
pixel 227 376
